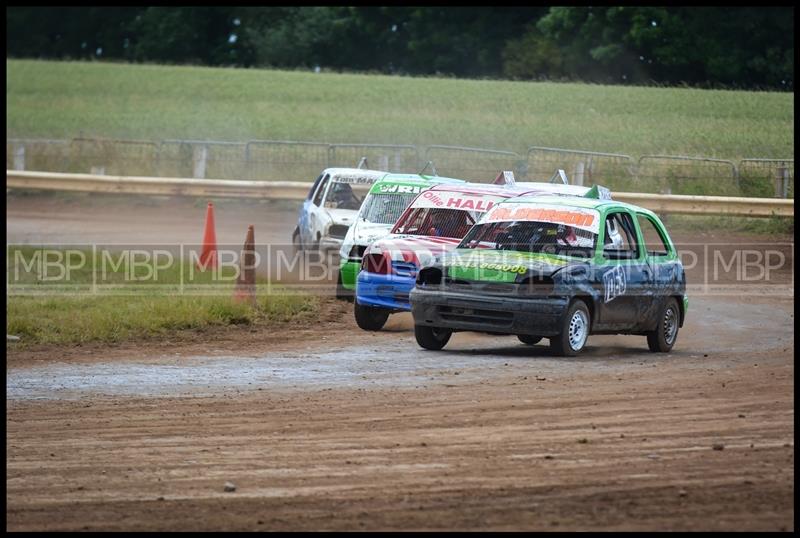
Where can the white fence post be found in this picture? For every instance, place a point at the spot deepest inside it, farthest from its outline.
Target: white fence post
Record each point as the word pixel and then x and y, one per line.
pixel 784 176
pixel 19 157
pixel 579 173
pixel 200 155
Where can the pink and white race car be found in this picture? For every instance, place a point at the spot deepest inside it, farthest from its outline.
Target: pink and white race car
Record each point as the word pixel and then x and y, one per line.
pixel 432 225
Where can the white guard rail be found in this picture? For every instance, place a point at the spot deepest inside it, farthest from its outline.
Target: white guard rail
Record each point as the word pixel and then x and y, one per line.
pixel 297 190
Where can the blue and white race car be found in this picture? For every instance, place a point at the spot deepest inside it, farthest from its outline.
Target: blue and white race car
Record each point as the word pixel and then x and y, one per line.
pixel 331 207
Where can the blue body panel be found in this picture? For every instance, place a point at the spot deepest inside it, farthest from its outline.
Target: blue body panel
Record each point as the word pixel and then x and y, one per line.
pixel 385 291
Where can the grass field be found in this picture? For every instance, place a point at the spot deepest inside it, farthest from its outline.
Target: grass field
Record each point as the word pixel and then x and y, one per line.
pixel 134 311
pixel 66 99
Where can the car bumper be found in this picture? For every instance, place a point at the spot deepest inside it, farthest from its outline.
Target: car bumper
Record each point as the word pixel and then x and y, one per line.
pixel 349 271
pixel 330 243
pixel 386 291
pixel 458 311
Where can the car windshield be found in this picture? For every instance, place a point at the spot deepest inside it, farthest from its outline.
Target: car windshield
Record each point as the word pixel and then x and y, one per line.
pixel 345 196
pixel 436 222
pixel 532 236
pixel 385 208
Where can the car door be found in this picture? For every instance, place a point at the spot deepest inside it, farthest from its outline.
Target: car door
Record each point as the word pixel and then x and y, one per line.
pixel 662 260
pixel 623 274
pixel 308 229
pixel 302 221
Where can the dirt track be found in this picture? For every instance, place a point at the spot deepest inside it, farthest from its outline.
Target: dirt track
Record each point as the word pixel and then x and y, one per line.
pixel 334 428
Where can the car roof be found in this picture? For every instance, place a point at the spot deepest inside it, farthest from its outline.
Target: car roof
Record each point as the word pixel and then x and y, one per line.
pixel 358 172
pixel 578 201
pixel 482 188
pixel 420 177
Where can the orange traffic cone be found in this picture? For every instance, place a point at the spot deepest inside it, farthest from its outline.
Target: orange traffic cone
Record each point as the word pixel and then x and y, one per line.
pixel 208 256
pixel 245 290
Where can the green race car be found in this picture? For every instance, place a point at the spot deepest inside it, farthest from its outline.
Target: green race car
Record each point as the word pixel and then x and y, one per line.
pixel 559 268
pixel 383 205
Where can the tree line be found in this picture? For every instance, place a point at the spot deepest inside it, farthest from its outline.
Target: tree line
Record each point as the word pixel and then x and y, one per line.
pixel 733 47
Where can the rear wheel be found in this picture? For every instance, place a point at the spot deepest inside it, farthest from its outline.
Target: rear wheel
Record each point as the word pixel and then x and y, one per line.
pixel 370 318
pixel 528 339
pixel 574 331
pixel 663 338
pixel 432 337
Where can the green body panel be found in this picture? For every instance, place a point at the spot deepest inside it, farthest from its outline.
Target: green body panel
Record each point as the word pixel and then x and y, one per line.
pixel 390 186
pixel 349 271
pixel 497 265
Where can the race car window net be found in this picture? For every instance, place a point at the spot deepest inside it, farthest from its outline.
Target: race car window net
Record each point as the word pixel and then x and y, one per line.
pixel 532 236
pixel 436 222
pixel 345 196
pixel 385 208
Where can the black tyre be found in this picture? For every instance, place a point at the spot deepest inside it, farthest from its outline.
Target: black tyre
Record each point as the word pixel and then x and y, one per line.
pixel 370 318
pixel 296 243
pixel 432 337
pixel 663 338
pixel 528 339
pixel 342 293
pixel 574 331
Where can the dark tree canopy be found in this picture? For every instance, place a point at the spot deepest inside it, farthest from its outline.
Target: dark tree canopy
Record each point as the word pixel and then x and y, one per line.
pixel 740 47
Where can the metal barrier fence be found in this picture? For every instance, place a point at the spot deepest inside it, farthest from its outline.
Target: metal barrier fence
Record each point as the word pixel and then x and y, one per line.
pixel 474 164
pixel 276 160
pixel 612 170
pixel 386 157
pixel 38 154
pixel 767 177
pixel 674 174
pixel 113 157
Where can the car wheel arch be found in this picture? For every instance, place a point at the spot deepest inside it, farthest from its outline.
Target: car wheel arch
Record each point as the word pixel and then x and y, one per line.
pixel 589 301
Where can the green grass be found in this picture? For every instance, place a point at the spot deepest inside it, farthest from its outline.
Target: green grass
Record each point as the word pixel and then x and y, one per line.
pixel 60 317
pixel 64 99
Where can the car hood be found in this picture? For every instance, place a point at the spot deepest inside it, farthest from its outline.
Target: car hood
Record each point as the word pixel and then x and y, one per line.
pixel 342 216
pixel 365 232
pixel 501 265
pixel 420 250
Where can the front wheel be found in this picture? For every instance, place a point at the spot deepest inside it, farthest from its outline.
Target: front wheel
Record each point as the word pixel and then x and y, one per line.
pixel 574 331
pixel 663 338
pixel 528 339
pixel 432 337
pixel 342 293
pixel 370 318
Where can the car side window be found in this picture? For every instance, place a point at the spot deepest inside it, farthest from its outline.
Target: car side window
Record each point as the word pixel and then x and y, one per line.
pixel 320 191
pixel 314 187
pixel 654 242
pixel 620 237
